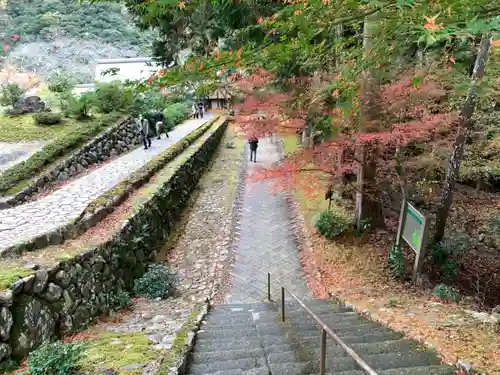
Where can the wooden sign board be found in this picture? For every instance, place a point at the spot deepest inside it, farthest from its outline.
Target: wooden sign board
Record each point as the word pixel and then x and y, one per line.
pixel 413 230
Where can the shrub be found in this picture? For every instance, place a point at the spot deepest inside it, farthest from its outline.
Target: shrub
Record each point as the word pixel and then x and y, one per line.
pixel 79 106
pixel 396 262
pixel 158 282
pixel 445 252
pixel 54 359
pixel 175 114
pixel 47 118
pixel 111 97
pixel 11 94
pixel 61 82
pixel 331 224
pixel 446 293
pixel 122 300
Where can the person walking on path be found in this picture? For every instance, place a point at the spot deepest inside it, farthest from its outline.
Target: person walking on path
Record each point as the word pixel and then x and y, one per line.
pixel 200 109
pixel 160 126
pixel 195 111
pixel 143 127
pixel 254 143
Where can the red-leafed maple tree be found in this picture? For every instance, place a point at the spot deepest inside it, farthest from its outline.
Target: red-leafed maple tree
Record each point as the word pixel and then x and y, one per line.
pixel 405 117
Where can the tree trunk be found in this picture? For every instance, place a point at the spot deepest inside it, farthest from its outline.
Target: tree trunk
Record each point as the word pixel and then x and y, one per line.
pixel 368 206
pixel 464 132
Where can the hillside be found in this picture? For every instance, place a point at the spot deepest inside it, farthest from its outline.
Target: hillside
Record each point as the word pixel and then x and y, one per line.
pixel 62 35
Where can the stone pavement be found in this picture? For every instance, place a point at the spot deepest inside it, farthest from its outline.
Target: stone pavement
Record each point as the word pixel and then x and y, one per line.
pixel 14 153
pixel 266 241
pixel 21 223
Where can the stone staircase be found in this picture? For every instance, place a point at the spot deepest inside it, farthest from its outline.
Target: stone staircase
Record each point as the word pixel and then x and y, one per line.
pixel 252 340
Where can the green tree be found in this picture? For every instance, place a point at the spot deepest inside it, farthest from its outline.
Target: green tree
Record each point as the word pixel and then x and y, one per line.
pixel 11 94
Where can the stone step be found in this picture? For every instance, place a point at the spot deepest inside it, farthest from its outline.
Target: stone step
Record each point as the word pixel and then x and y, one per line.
pixel 238 364
pixel 220 345
pixel 311 325
pixel 286 350
pixel 254 371
pixel 238 315
pixel 300 317
pixel 226 355
pixel 298 311
pixel 423 370
pixel 224 321
pixel 356 330
pixel 377 362
pixel 314 305
pixel 235 324
pixel 369 337
pixel 240 334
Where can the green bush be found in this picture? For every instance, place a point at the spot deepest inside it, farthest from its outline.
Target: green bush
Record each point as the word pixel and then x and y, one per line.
pixel 446 293
pixel 175 114
pixel 61 82
pixel 122 300
pixel 331 224
pixel 55 359
pixel 50 152
pixel 396 262
pixel 79 106
pixel 47 118
pixel 10 94
pixel 158 282
pixel 111 97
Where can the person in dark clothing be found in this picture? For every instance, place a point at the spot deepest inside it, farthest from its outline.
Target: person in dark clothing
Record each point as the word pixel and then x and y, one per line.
pixel 200 109
pixel 143 127
pixel 254 143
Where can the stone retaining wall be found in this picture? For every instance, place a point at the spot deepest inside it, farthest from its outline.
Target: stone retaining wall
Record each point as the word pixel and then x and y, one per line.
pixel 67 297
pixel 117 140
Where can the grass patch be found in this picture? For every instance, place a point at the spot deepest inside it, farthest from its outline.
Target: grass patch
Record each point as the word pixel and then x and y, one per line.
pixel 23 128
pixel 109 350
pixel 9 275
pixel 62 145
pixel 179 345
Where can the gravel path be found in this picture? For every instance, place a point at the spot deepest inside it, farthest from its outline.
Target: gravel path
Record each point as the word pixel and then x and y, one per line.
pixel 22 223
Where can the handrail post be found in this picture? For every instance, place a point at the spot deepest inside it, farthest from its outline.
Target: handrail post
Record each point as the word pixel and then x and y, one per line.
pixel 322 359
pixel 269 286
pixel 282 304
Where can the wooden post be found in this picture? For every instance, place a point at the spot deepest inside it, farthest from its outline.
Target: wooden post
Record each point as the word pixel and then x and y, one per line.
pixel 420 253
pixel 402 218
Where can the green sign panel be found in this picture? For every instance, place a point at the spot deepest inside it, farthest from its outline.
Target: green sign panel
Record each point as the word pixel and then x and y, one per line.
pixel 413 227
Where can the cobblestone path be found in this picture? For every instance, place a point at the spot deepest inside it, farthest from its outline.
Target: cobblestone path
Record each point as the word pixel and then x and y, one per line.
pixel 266 241
pixel 19 224
pixel 14 153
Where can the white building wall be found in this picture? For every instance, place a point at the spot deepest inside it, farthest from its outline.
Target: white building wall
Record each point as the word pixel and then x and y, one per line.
pixel 128 69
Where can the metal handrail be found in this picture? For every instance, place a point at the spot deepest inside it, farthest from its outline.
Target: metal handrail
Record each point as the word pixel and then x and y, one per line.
pixel 324 330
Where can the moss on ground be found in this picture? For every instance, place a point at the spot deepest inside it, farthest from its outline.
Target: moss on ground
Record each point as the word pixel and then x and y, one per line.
pixel 11 274
pixel 177 351
pixel 108 350
pixel 23 129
